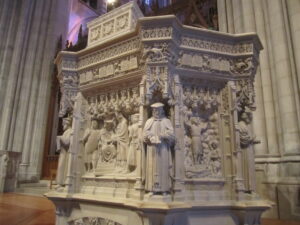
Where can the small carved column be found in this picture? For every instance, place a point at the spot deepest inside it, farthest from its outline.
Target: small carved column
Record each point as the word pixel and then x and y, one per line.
pixel 178 128
pixel 140 154
pixel 237 152
pixel 74 164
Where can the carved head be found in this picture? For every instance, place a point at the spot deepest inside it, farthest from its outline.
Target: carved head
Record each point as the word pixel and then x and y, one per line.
pixel 246 117
pixel 108 125
pixel 94 124
pixel 157 110
pixel 67 123
pixel 135 118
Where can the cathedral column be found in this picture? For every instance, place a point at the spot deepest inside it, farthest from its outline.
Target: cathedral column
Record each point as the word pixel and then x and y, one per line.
pixel 25 69
pixel 284 80
pixel 259 127
pixel 266 84
pixel 293 11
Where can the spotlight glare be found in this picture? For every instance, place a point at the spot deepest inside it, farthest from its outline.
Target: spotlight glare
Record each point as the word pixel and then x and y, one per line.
pixel 111 1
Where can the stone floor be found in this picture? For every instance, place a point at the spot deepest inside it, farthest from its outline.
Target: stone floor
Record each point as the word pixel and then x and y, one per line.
pixel 19 209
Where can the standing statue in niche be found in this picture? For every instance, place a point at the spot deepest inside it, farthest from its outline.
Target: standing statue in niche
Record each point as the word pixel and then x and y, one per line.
pixel 133 130
pixel 121 139
pixel 158 135
pixel 90 141
pixel 246 137
pixel 63 145
pixel 247 140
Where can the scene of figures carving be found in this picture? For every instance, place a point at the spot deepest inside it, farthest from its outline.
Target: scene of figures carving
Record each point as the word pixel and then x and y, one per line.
pixel 111 143
pixel 201 141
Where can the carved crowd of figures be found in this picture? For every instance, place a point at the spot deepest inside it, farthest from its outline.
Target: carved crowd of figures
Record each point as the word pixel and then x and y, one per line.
pixel 202 152
pixel 105 105
pixel 111 142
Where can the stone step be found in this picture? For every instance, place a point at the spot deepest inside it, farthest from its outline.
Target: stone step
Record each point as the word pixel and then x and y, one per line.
pixel 41 183
pixel 36 189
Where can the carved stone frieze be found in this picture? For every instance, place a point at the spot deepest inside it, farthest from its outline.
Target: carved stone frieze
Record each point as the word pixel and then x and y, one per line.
pixel 110 69
pixel 109 53
pixel 216 46
pixel 211 63
pixel 93 221
pixel 69 86
pixel 69 64
pixel 157 33
pixel 108 27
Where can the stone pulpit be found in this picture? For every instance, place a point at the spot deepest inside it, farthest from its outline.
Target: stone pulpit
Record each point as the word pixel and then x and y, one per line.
pixel 157 125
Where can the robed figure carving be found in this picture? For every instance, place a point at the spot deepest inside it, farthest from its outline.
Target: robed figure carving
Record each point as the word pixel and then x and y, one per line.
pixel 63 144
pixel 158 135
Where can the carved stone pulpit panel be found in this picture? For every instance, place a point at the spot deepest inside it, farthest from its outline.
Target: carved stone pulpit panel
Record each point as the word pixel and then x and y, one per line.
pixel 161 120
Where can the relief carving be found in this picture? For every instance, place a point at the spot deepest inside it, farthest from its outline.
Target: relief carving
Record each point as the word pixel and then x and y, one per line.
pixel 200 112
pixel 93 221
pixel 122 22
pixel 69 89
pixel 156 53
pixel 134 143
pixel 161 32
pixel 90 141
pixel 116 141
pixel 242 66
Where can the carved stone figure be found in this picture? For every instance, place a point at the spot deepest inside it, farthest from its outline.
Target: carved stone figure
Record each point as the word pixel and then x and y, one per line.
pixel 246 138
pixel 121 139
pixel 196 127
pixel 63 144
pixel 158 135
pixel 90 141
pixel 106 147
pixel 134 141
pixel 215 158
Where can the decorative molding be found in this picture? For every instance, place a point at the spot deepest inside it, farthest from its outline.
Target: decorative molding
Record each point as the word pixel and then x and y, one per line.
pixel 93 221
pixel 114 24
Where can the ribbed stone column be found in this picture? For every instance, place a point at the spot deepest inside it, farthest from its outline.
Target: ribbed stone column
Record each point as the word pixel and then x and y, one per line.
pixel 26 69
pixel 293 8
pixel 283 73
pixel 237 16
pixel 266 85
pixel 259 128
